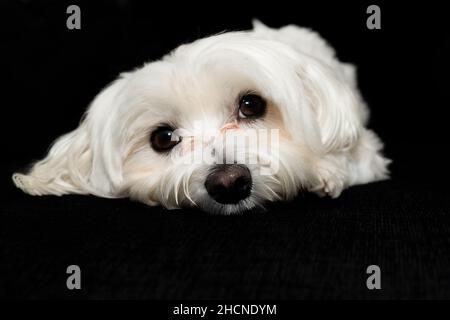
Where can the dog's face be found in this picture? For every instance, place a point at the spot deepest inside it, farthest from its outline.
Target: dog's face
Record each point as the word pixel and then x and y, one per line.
pixel 161 134
pixel 182 119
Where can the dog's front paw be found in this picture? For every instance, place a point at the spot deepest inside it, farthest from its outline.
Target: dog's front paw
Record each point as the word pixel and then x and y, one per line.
pixel 330 183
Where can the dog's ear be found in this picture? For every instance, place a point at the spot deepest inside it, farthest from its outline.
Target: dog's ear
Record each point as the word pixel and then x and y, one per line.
pixel 328 84
pixel 336 108
pixel 85 160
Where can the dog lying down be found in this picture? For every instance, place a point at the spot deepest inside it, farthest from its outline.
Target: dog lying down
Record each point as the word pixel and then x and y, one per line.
pixel 226 123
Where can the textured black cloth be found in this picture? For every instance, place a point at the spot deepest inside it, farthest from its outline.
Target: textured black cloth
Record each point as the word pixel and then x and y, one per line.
pixel 309 248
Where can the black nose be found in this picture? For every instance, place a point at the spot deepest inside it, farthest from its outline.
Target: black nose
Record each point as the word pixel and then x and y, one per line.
pixel 229 183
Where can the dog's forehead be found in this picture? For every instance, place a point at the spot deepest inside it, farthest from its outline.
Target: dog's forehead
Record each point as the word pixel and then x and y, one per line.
pixel 202 81
pixel 186 91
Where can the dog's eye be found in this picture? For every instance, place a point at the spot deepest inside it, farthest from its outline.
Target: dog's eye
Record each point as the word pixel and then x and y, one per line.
pixel 251 106
pixel 163 139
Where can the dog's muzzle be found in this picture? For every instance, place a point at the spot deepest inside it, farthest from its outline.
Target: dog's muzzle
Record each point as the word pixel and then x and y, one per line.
pixel 229 183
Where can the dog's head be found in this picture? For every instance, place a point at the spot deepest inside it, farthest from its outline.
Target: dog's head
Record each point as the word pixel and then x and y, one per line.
pixel 224 123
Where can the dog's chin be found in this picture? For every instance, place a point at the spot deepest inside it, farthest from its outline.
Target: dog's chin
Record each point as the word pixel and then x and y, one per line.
pixel 212 206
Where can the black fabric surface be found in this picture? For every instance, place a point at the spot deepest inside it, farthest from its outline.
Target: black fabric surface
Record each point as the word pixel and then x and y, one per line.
pixel 309 248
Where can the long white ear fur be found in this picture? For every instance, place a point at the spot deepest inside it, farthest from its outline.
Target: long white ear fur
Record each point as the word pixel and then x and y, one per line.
pixel 330 85
pixel 83 161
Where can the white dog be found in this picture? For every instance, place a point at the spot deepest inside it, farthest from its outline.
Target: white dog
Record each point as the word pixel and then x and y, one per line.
pixel 138 128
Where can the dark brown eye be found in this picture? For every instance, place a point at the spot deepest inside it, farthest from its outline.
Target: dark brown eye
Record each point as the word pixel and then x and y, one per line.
pixel 163 139
pixel 251 106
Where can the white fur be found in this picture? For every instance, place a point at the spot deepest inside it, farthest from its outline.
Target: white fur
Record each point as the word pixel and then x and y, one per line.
pixel 314 101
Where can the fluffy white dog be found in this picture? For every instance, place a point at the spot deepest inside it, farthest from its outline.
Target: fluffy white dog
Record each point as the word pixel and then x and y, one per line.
pixel 137 133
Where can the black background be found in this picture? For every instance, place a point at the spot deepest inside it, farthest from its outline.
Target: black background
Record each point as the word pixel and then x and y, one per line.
pixel 310 248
